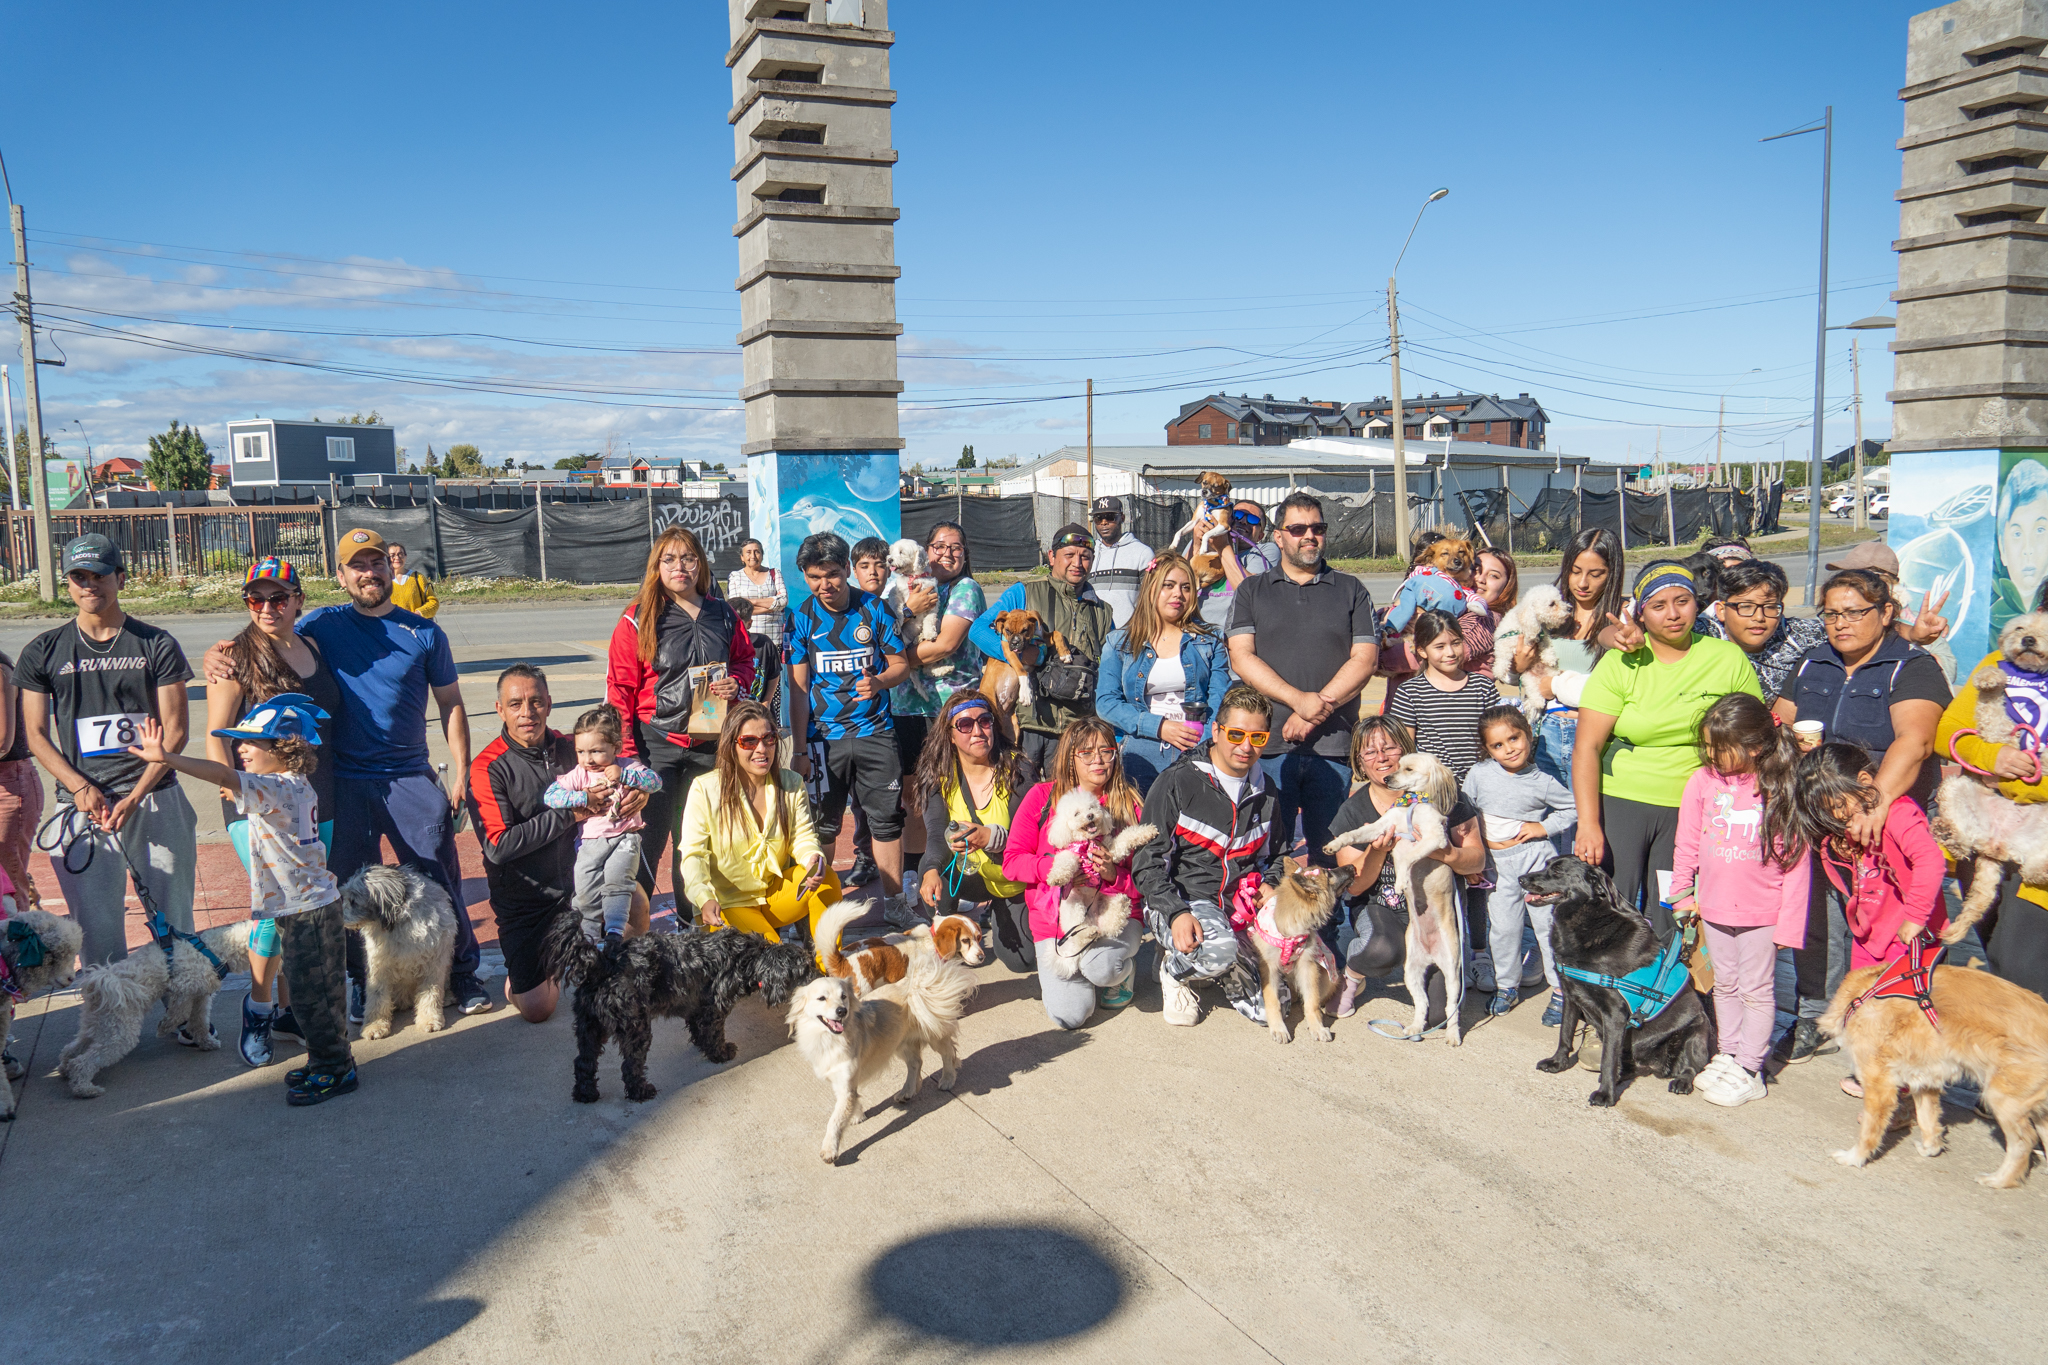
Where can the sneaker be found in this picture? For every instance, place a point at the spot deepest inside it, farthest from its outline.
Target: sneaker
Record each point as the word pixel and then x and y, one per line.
pixel 1347 1002
pixel 185 1038
pixel 1180 1005
pixel 1115 997
pixel 1503 1001
pixel 1553 1013
pixel 1737 1085
pixel 613 942
pixel 1716 1073
pixel 901 913
pixel 861 873
pixel 1479 972
pixel 255 1045
pixel 355 1001
pixel 10 1065
pixel 285 1024
pixel 312 1087
pixel 1589 1048
pixel 1802 1043
pixel 469 994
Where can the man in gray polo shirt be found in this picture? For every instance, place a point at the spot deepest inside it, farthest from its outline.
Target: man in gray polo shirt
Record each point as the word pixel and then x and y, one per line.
pixel 1303 635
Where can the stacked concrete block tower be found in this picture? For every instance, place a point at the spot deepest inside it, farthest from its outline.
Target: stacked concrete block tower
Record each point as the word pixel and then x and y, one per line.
pixel 817 282
pixel 1972 345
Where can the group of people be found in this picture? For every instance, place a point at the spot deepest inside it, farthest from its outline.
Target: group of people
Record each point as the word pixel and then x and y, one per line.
pixel 1228 715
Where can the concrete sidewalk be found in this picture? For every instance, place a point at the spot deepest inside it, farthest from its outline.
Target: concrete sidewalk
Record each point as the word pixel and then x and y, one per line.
pixel 1125 1193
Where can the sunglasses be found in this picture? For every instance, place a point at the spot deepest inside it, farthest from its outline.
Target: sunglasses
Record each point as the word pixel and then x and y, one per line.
pixel 1070 542
pixel 749 743
pixel 260 602
pixel 963 724
pixel 1256 738
pixel 1249 518
pixel 1307 528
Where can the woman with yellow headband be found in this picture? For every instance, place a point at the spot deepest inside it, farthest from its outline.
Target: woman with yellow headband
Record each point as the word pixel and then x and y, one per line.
pixel 969 780
pixel 1639 733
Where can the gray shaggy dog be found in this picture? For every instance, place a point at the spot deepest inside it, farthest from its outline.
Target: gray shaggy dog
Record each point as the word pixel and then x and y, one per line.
pixel 115 996
pixel 408 928
pixel 46 964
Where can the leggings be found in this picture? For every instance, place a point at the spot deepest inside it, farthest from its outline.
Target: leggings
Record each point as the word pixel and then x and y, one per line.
pixel 1639 839
pixel 785 906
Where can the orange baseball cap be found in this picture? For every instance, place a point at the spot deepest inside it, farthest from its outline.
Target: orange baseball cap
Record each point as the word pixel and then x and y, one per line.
pixel 355 542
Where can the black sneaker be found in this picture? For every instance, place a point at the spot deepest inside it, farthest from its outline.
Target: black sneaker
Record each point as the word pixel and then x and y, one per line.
pixel 470 996
pixel 255 1044
pixel 862 872
pixel 613 941
pixel 355 1001
pixel 285 1024
pixel 312 1087
pixel 1802 1043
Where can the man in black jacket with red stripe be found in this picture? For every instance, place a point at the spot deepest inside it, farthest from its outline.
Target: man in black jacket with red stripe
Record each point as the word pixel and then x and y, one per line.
pixel 529 847
pixel 1214 812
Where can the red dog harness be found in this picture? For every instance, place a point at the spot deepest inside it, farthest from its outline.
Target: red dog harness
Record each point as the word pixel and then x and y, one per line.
pixel 1909 978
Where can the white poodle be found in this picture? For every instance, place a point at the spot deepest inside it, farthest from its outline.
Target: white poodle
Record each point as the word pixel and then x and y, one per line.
pixel 909 569
pixel 1093 907
pixel 115 996
pixel 408 928
pixel 1531 621
pixel 41 951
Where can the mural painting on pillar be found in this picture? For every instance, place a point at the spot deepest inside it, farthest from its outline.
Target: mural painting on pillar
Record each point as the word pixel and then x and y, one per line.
pixel 793 494
pixel 1952 548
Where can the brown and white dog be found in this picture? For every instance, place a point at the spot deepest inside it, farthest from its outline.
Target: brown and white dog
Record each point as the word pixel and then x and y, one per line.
pixel 878 961
pixel 1286 935
pixel 1206 528
pixel 1007 681
pixel 1447 549
pixel 1992 1032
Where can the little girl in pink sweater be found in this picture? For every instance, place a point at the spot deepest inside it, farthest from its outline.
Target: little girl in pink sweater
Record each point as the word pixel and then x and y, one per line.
pixel 1739 862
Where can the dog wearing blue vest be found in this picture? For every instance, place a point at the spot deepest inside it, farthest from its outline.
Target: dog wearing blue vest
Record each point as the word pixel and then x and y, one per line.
pixel 1635 991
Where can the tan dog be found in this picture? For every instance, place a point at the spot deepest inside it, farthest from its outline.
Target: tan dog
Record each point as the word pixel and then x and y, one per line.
pixel 1285 933
pixel 1447 549
pixel 1991 1031
pixel 1206 529
pixel 1007 681
pixel 883 959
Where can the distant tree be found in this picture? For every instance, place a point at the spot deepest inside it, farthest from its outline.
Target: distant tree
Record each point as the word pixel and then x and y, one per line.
pixel 361 421
pixel 966 458
pixel 510 464
pixel 24 471
pixel 178 459
pixel 569 462
pixel 465 461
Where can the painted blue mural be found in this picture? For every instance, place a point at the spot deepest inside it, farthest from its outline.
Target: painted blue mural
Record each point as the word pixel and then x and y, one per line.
pixel 794 494
pixel 1951 547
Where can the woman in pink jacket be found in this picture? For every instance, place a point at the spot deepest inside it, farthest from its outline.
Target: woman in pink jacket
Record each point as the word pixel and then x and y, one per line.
pixel 1085 759
pixel 1739 862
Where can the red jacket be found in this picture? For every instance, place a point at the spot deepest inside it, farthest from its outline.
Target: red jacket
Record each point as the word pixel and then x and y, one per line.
pixel 1901 881
pixel 630 685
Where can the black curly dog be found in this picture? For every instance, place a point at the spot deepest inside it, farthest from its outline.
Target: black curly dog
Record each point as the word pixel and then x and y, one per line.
pixel 1593 931
pixel 694 976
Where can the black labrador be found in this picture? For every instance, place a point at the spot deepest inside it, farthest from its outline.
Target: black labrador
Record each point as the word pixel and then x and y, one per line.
pixel 1593 931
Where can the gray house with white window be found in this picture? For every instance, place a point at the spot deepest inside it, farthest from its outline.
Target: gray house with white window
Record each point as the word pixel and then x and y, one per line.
pixel 264 451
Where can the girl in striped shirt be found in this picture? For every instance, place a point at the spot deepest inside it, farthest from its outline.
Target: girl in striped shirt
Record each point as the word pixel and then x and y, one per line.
pixel 1442 704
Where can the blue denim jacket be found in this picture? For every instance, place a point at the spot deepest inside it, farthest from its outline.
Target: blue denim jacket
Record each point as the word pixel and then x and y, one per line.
pixel 1120 684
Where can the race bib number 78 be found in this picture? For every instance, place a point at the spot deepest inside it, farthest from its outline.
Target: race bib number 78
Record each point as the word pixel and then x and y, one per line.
pixel 99 736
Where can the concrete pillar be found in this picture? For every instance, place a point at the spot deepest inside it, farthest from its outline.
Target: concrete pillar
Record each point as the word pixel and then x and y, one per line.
pixel 817 271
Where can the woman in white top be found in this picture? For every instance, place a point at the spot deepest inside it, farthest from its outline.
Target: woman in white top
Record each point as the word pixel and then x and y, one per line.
pixel 1163 675
pixel 762 590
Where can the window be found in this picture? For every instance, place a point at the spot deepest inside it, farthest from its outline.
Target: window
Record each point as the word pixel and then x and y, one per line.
pixel 1205 431
pixel 802 133
pixel 799 194
pixel 341 450
pixel 253 445
pixel 1232 429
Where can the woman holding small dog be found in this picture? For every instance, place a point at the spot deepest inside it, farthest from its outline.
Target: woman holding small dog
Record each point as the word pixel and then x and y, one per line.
pixel 1086 760
pixel 970 780
pixel 1163 673
pixel 750 855
pixel 1590 581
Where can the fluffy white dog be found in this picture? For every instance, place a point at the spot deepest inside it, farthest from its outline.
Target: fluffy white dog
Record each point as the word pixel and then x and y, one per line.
pixel 1531 621
pixel 1092 907
pixel 115 996
pixel 41 951
pixel 908 570
pixel 408 929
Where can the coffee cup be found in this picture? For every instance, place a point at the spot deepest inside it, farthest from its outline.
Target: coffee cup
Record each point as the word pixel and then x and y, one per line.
pixel 1807 734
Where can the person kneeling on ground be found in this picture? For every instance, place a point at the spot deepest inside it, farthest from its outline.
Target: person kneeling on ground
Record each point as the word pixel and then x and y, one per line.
pixel 294 896
pixel 1214 811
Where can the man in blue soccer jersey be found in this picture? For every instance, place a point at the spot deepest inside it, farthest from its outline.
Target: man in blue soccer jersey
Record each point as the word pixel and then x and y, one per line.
pixel 844 656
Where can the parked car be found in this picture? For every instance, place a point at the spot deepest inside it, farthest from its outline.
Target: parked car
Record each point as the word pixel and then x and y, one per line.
pixel 1843 505
pixel 1881 505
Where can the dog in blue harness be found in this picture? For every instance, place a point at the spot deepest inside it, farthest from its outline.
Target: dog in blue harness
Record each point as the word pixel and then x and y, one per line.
pixel 1621 981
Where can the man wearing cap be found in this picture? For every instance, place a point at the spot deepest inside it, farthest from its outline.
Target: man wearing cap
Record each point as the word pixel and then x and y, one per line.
pixel 1065 603
pixel 1120 560
pixel 1921 627
pixel 99 677
pixel 388 662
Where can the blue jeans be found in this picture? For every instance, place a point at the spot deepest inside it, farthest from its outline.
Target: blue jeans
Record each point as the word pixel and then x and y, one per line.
pixel 1313 787
pixel 1554 739
pixel 1145 759
pixel 413 813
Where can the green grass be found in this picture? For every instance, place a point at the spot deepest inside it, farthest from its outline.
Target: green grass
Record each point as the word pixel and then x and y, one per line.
pixel 160 595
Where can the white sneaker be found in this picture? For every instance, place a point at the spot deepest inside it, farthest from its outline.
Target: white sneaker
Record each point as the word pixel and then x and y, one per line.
pixel 1738 1088
pixel 1716 1073
pixel 1182 1006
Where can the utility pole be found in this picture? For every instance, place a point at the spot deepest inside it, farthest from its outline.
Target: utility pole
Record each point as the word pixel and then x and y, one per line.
pixel 39 488
pixel 1720 419
pixel 1856 380
pixel 7 402
pixel 1091 449
pixel 1826 128
pixel 1401 529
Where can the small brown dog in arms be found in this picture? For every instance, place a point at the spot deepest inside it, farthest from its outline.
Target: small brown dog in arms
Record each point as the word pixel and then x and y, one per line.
pixel 1991 1032
pixel 1973 822
pixel 848 1037
pixel 1007 681
pixel 1210 523
pixel 880 960
pixel 1286 933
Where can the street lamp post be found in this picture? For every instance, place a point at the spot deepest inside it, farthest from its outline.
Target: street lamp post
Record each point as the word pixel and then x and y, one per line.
pixel 1826 128
pixel 1401 527
pixel 1870 324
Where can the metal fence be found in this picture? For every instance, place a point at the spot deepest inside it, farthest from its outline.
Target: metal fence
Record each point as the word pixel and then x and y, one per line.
pixel 177 541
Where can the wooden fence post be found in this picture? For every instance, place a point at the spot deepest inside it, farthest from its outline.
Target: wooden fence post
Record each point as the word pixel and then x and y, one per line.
pixel 540 524
pixel 171 520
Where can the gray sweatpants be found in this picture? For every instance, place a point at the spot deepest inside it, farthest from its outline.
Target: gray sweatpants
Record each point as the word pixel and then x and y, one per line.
pixel 605 869
pixel 1216 958
pixel 1102 963
pixel 1505 909
pixel 158 839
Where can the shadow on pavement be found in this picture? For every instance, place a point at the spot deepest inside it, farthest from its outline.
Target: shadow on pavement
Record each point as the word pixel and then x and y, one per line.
pixel 999 1285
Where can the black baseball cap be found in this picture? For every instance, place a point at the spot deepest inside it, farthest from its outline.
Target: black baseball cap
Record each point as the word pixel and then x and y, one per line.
pixel 1107 507
pixel 94 553
pixel 1073 533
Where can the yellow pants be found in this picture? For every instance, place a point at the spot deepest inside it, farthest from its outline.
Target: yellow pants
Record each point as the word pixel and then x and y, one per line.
pixel 785 905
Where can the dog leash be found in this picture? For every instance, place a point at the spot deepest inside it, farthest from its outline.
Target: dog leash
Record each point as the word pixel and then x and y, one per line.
pixel 2021 734
pixel 74 828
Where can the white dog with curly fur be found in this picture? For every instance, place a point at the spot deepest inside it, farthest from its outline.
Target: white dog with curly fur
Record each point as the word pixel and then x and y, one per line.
pixel 114 997
pixel 38 952
pixel 1094 905
pixel 408 928
pixel 1530 622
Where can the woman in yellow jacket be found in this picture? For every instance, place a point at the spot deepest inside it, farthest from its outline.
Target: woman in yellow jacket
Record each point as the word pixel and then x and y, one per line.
pixel 2018 944
pixel 750 856
pixel 413 592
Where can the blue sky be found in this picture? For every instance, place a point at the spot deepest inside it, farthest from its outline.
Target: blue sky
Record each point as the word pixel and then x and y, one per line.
pixel 533 200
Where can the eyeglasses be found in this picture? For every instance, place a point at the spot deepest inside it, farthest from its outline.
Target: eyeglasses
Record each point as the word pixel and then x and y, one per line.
pixel 749 743
pixel 1099 751
pixel 963 724
pixel 1849 617
pixel 1256 738
pixel 1307 529
pixel 267 601
pixel 1748 611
